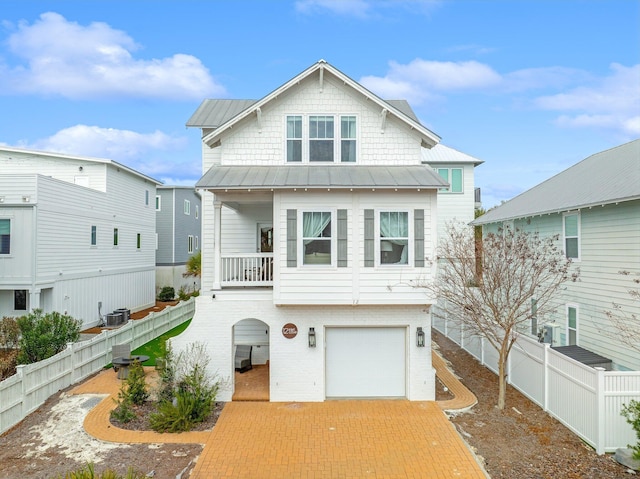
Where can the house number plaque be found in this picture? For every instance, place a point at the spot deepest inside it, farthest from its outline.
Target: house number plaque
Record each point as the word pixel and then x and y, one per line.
pixel 289 330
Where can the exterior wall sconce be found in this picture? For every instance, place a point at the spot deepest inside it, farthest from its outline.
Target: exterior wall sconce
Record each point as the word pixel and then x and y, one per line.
pixel 312 337
pixel 420 338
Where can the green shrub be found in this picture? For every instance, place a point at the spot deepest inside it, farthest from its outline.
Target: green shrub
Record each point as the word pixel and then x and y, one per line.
pixel 9 333
pixel 167 294
pixel 631 413
pixel 43 335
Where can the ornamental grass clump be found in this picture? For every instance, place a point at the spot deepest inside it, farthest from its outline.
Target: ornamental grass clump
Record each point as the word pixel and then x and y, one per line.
pixel 187 391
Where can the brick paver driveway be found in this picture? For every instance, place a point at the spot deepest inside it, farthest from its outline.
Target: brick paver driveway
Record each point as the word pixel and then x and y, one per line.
pixel 335 439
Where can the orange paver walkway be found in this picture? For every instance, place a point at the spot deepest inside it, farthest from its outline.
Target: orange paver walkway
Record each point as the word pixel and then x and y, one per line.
pixel 331 439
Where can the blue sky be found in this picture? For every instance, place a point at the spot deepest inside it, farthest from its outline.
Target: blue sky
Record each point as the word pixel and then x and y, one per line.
pixel 529 87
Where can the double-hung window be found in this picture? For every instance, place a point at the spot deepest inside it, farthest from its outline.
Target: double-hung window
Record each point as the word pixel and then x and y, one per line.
pixel 572 325
pixel 321 135
pixel 5 236
pixel 394 237
pixel 316 237
pixel 294 138
pixel 453 176
pixel 571 229
pixel 321 138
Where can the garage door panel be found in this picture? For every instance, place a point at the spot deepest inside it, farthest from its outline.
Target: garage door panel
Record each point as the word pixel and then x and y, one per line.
pixel 365 362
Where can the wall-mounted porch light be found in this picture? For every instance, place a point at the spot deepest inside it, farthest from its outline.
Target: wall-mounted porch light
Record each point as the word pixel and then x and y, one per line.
pixel 312 337
pixel 420 338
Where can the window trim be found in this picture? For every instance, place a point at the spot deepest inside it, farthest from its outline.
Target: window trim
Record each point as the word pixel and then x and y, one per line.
pixel 8 253
pixel 337 138
pixel 332 239
pixel 378 238
pixel 449 179
pixel 577 237
pixel 576 328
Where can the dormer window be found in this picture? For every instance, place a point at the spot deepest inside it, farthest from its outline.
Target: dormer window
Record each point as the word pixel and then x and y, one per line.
pixel 316 139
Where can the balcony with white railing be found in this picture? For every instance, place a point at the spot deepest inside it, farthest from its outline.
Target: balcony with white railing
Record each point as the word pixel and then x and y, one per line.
pixel 246 269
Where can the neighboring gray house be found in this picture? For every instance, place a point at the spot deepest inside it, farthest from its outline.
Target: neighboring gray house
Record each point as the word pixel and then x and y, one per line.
pixel 594 207
pixel 77 235
pixel 178 232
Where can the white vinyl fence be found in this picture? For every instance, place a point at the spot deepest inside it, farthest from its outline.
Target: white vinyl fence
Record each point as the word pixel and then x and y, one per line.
pixel 33 384
pixel 586 400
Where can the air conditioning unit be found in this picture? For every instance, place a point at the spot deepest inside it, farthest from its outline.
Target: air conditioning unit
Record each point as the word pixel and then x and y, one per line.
pixel 547 334
pixel 114 319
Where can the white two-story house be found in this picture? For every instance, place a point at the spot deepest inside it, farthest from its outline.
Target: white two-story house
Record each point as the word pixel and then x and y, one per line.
pixel 77 235
pixel 318 217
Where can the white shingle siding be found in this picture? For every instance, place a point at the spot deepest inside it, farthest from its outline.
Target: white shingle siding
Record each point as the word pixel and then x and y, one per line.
pixel 246 146
pixel 297 371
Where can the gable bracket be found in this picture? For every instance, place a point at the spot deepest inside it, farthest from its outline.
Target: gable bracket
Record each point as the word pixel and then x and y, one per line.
pixel 383 119
pixel 259 118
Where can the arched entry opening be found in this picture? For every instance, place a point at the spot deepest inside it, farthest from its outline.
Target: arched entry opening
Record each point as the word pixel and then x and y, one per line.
pixel 251 337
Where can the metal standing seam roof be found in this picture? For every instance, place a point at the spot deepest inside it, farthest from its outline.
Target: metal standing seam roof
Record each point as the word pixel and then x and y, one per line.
pixel 213 113
pixel 319 176
pixel 444 154
pixel 607 177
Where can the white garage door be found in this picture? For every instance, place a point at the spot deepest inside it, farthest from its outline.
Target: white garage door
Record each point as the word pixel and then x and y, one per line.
pixel 365 362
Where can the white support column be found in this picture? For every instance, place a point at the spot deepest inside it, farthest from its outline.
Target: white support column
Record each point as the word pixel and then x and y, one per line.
pixel 217 254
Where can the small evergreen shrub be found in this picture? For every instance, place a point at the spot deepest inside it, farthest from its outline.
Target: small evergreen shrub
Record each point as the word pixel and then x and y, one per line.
pixel 132 392
pixel 631 412
pixel 167 293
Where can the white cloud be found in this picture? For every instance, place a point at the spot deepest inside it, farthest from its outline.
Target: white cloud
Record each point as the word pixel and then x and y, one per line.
pixel 610 103
pixel 156 154
pixel 422 79
pixel 94 61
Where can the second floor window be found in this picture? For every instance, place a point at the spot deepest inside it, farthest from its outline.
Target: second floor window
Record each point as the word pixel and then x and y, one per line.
pixel 187 207
pixel 394 237
pixel 5 236
pixel 572 235
pixel 115 236
pixel 453 176
pixel 158 203
pixel 138 241
pixel 94 235
pixel 316 237
pixel 317 138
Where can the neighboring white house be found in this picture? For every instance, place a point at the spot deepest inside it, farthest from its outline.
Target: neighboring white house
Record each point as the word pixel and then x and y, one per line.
pixel 318 213
pixel 178 230
pixel 594 207
pixel 77 235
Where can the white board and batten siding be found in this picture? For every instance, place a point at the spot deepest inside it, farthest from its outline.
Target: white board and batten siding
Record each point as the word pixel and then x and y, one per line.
pixel 51 234
pixel 355 283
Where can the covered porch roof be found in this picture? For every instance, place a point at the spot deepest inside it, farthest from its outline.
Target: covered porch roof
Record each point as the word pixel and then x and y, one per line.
pixel 227 178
